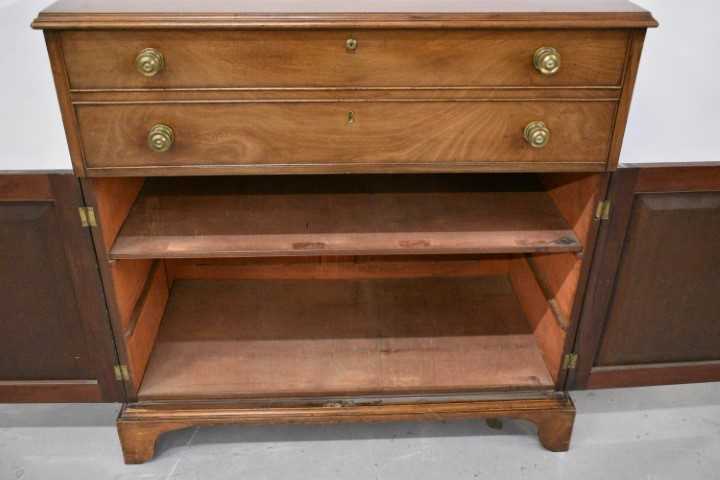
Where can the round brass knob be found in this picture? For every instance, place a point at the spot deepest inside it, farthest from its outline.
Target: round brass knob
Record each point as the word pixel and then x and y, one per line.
pixel 351 44
pixel 547 60
pixel 537 134
pixel 150 62
pixel 160 138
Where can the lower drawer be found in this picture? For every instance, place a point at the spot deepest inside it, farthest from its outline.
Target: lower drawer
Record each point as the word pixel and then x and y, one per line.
pixel 342 136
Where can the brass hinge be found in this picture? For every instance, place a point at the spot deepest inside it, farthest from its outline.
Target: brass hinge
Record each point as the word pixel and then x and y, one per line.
pixel 121 373
pixel 570 361
pixel 87 216
pixel 602 212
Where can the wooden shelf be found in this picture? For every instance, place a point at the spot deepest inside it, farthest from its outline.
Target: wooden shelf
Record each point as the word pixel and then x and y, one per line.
pixel 286 338
pixel 340 215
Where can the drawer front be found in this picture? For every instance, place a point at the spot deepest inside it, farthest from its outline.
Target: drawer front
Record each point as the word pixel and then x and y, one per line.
pixel 337 135
pixel 320 58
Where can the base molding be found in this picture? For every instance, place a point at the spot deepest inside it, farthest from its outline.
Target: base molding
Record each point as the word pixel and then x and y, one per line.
pixel 139 425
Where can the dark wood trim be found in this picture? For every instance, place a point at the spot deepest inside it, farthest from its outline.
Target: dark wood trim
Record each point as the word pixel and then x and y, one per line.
pixel 679 179
pixel 605 262
pixel 88 286
pixel 140 425
pixel 56 391
pixel 658 374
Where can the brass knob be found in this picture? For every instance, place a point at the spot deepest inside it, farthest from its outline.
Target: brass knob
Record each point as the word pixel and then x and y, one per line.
pixel 547 60
pixel 351 44
pixel 537 134
pixel 150 62
pixel 160 138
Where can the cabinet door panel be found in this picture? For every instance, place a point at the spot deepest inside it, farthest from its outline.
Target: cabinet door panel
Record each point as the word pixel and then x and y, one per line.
pixel 651 313
pixel 55 342
pixel 666 306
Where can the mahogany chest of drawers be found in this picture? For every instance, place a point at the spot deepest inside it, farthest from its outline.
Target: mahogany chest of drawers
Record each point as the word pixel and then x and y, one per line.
pixel 442 280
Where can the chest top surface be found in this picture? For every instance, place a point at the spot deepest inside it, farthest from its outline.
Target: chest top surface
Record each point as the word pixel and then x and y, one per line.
pixel 313 13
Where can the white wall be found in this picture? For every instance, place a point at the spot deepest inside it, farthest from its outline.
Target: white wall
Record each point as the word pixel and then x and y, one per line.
pixel 676 106
pixel 31 132
pixel 675 114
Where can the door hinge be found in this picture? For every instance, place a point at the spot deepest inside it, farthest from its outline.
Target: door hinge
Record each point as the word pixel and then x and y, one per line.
pixel 121 373
pixel 569 361
pixel 602 212
pixel 87 216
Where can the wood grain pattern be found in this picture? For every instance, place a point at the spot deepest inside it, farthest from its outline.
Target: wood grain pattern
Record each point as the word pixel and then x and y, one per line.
pixel 388 58
pixel 297 134
pixel 142 332
pixel 228 339
pixel 115 197
pixel 140 425
pixel 548 333
pixel 577 195
pixel 359 215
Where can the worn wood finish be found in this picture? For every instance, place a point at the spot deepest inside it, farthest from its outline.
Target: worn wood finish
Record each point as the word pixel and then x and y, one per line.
pixel 227 339
pixel 546 328
pixel 282 216
pixel 147 315
pixel 387 58
pixel 54 337
pixel 74 14
pixel 140 425
pixel 650 316
pixel 380 134
pixel 347 267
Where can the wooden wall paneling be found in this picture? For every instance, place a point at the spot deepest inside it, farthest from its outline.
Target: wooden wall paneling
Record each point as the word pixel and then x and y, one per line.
pixel 56 342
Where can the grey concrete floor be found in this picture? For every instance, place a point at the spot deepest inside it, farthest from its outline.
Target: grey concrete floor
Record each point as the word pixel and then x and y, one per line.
pixel 648 433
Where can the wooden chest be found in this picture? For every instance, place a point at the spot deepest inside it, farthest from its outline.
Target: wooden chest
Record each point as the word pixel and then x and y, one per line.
pixel 451 291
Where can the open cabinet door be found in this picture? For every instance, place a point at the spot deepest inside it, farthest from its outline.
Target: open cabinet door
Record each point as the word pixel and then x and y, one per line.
pixel 55 335
pixel 652 307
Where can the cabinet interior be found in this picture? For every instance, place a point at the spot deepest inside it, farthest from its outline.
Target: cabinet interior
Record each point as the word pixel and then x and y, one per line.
pixel 265 287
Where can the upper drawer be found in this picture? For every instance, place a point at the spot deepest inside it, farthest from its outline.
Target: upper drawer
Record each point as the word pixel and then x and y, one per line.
pixel 321 58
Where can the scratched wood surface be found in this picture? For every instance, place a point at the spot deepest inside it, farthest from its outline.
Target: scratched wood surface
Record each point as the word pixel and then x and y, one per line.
pixel 325 215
